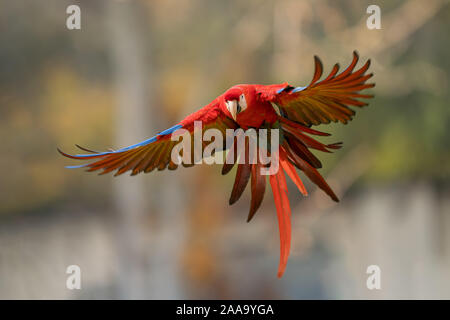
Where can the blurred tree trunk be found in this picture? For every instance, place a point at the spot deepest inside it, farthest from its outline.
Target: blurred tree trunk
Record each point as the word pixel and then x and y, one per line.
pixel 147 254
pixel 132 125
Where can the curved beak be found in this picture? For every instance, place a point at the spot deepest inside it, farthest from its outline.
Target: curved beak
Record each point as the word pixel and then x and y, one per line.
pixel 232 106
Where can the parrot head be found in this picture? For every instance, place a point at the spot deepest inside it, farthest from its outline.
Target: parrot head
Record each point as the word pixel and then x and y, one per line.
pixel 237 100
pixel 243 105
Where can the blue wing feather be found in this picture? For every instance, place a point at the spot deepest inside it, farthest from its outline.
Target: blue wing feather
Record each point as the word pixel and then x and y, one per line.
pixel 140 144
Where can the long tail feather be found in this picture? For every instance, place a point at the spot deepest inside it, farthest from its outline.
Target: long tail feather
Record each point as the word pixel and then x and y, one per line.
pixel 258 186
pixel 290 170
pixel 241 181
pixel 279 189
pixel 242 175
pixel 230 159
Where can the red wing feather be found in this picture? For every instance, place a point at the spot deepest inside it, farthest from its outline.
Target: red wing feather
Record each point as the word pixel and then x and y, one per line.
pixel 312 174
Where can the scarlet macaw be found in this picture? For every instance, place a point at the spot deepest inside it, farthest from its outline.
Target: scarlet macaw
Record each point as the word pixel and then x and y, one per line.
pixel 293 110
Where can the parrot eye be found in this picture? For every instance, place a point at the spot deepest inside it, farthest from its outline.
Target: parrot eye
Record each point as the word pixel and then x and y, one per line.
pixel 242 102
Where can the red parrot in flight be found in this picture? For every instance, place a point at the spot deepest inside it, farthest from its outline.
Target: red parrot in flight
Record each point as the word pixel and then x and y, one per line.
pixel 291 110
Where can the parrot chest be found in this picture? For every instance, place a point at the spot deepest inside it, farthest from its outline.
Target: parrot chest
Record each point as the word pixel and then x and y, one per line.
pixel 255 116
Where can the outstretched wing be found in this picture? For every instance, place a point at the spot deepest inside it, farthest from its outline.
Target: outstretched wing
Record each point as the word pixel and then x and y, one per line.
pixel 323 101
pixel 156 152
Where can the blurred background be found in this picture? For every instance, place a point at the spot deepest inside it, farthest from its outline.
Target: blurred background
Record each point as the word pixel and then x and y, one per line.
pixel 138 67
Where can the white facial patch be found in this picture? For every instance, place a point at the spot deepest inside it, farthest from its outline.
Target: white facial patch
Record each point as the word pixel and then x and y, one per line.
pixel 242 102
